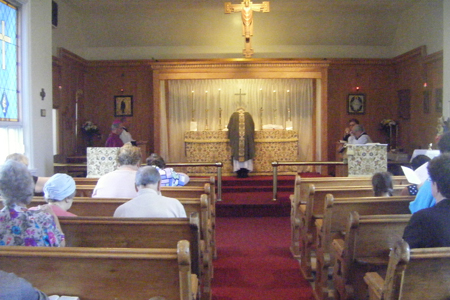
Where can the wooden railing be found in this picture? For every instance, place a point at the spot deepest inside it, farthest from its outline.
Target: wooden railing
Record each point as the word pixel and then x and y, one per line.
pixel 276 164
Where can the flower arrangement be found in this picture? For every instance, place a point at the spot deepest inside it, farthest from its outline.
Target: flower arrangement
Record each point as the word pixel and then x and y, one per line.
pixel 442 127
pixel 90 130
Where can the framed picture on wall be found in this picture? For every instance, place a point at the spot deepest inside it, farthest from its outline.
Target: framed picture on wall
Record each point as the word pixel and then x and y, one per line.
pixel 356 104
pixel 426 102
pixel 123 106
pixel 438 97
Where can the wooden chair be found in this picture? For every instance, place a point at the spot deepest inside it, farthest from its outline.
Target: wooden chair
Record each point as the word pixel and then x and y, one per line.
pixel 333 226
pixel 105 273
pixel 366 247
pixel 413 274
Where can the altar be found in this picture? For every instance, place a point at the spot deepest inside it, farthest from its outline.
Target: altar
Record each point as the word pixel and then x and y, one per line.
pixel 214 146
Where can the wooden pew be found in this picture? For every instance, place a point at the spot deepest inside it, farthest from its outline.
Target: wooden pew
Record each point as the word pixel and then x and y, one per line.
pixel 412 274
pixel 334 223
pixel 194 181
pixel 314 208
pixel 104 207
pixel 188 191
pixel 366 247
pixel 104 273
pixel 140 233
pixel 302 192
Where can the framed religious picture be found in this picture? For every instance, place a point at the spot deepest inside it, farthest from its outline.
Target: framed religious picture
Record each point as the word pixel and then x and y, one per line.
pixel 404 104
pixel 123 106
pixel 438 97
pixel 356 104
pixel 426 102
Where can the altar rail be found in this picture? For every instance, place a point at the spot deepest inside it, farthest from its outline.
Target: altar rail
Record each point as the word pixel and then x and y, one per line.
pixel 276 164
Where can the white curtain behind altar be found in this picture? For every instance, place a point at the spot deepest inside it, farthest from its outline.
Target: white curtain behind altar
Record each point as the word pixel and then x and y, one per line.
pixel 267 100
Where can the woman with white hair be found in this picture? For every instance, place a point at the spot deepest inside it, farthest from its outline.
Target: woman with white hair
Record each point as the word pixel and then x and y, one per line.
pixel 18 225
pixel 120 183
pixel 59 191
pixel 38 181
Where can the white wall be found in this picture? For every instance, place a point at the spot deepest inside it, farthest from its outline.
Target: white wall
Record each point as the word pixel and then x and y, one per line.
pixel 37 74
pixel 68 34
pixel 420 25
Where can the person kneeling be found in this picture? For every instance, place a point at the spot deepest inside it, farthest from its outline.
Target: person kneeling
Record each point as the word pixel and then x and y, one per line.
pixel 150 203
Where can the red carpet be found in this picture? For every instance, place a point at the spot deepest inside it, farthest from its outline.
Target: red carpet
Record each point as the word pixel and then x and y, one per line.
pixel 254 261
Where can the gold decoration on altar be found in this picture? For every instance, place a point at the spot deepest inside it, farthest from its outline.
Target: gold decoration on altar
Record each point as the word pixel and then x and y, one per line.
pixel 247 8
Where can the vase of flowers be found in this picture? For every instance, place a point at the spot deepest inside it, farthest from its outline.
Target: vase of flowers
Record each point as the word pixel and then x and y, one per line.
pixel 90 130
pixel 390 127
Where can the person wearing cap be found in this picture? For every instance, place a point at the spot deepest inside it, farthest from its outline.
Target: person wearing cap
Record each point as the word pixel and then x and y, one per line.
pixel 120 183
pixel 149 202
pixel 20 226
pixel 114 137
pixel 59 191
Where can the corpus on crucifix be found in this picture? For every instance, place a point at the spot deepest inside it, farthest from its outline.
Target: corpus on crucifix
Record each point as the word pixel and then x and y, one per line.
pixel 247 8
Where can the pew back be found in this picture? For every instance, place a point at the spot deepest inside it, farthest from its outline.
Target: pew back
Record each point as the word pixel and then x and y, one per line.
pixel 412 275
pixel 366 247
pixel 103 273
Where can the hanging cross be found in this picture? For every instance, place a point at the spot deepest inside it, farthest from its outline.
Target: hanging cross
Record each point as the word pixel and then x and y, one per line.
pixel 247 8
pixel 4 39
pixel 240 96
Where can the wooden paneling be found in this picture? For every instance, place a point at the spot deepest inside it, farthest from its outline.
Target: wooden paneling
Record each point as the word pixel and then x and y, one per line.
pixel 378 79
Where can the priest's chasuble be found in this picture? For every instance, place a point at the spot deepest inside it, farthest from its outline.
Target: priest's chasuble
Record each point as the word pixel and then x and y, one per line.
pixel 241 132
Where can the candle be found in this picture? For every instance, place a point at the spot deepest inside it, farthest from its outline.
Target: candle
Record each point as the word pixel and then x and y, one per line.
pixel 192 106
pixel 289 104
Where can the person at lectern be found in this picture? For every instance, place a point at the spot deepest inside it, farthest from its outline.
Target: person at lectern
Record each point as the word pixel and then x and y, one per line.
pixel 241 132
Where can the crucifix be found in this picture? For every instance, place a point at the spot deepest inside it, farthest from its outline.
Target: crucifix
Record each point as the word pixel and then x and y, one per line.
pixel 247 8
pixel 4 39
pixel 240 96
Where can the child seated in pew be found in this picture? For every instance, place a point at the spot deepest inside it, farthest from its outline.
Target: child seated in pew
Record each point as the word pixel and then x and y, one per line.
pixel 150 203
pixel 382 184
pixel 13 287
pixel 430 227
pixel 168 176
pixel 59 191
pixel 20 226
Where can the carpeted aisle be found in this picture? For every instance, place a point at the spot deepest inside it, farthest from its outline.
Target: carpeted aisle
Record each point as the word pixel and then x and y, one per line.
pixel 254 261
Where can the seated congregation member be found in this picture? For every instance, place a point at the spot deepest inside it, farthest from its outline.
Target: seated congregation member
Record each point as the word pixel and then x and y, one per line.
pixel 38 181
pixel 417 162
pixel 149 202
pixel 168 176
pixel 59 191
pixel 424 197
pixel 359 136
pixel 114 137
pixel 120 183
pixel 13 287
pixel 430 227
pixel 18 225
pixel 382 184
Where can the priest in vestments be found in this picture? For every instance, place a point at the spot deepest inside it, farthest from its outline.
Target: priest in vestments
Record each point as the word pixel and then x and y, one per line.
pixel 241 132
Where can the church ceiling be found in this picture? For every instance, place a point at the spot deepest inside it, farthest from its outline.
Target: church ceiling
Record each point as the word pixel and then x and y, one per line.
pixel 191 23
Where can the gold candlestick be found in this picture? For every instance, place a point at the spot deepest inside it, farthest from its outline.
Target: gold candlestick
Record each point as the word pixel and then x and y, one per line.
pixel 220 118
pixel 206 110
pixel 260 117
pixel 192 107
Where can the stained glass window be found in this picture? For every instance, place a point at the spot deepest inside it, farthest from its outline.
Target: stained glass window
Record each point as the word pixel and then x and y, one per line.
pixel 9 104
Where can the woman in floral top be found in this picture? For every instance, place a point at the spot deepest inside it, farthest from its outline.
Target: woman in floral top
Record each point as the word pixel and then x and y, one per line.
pixel 19 226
